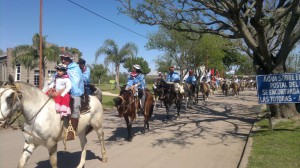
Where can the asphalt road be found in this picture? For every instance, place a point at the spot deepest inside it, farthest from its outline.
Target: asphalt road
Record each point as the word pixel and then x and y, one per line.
pixel 212 134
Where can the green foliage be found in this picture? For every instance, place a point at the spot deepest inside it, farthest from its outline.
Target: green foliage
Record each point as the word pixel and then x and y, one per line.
pixel 74 51
pixel 115 55
pixel 1 52
pixel 128 64
pixel 163 63
pixel 246 66
pixel 97 72
pixel 279 148
pixel 107 102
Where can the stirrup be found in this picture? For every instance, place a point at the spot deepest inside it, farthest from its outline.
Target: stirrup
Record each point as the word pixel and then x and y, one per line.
pixel 71 133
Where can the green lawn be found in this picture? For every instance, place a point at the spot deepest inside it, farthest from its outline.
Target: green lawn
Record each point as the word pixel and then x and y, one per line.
pixel 277 149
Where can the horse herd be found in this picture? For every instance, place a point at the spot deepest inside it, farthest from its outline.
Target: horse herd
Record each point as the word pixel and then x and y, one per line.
pixel 43 126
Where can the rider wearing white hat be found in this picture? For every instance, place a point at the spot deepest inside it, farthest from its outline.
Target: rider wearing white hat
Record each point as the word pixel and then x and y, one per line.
pixel 139 82
pixel 77 89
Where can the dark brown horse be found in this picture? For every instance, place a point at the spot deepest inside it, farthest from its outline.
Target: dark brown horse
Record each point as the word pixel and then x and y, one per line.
pixel 204 88
pixel 156 91
pixel 169 96
pixel 224 88
pixel 127 105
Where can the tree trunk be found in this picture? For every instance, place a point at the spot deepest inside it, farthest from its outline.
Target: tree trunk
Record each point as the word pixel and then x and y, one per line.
pixel 283 110
pixel 117 76
pixel 277 110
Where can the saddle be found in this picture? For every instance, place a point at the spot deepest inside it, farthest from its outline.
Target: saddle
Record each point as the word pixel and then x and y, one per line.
pixel 85 104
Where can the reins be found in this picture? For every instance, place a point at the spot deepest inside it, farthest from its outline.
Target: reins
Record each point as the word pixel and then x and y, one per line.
pixel 123 104
pixel 18 95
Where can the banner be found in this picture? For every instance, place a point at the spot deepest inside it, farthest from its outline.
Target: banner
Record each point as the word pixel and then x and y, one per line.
pixel 278 88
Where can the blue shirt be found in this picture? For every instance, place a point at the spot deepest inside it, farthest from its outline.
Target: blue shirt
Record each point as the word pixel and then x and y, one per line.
pixel 86 75
pixel 76 78
pixel 130 81
pixel 173 77
pixel 191 79
pixel 140 80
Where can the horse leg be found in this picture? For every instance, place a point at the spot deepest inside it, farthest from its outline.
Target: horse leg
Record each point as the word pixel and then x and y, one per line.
pixel 99 130
pixel 129 125
pixel 27 152
pixel 53 155
pixel 83 142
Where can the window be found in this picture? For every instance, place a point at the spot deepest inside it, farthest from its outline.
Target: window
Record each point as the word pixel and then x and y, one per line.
pixel 18 73
pixel 36 78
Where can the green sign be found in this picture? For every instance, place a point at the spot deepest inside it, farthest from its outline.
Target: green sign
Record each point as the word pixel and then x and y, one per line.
pixel 112 81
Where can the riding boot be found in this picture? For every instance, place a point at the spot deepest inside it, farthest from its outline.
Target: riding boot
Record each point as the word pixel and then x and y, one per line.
pixel 73 124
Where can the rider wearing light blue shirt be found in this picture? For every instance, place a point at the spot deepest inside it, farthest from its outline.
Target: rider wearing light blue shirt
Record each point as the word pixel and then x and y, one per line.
pixel 86 72
pixel 140 83
pixel 191 79
pixel 77 89
pixel 173 76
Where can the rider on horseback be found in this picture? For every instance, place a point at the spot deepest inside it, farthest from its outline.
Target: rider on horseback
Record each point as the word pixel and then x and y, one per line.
pixel 173 78
pixel 86 72
pixel 77 89
pixel 139 82
pixel 130 83
pixel 191 79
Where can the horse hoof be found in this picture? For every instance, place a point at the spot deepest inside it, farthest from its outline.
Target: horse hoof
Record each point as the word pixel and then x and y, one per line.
pixel 104 160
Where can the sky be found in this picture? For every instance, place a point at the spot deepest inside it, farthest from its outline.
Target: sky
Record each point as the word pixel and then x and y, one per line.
pixel 66 24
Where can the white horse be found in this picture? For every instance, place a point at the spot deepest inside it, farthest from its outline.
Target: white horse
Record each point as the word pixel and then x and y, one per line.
pixel 43 126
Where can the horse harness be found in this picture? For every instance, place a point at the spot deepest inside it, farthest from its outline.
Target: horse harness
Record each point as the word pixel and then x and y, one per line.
pixel 16 96
pixel 126 107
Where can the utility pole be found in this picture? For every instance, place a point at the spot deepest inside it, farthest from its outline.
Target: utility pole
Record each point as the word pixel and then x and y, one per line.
pixel 41 47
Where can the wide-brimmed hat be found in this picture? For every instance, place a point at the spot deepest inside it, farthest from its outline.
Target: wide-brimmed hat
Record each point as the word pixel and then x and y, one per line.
pixel 62 67
pixel 136 66
pixel 67 55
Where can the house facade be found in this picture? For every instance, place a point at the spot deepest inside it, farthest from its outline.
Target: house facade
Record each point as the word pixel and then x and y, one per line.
pixel 19 72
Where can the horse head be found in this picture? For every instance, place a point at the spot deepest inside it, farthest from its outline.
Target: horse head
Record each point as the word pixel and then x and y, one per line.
pixel 10 99
pixel 123 102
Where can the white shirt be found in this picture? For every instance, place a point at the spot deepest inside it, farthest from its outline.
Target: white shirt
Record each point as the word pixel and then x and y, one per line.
pixel 62 83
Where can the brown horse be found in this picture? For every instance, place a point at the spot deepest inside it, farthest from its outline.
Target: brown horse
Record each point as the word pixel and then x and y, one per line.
pixel 224 88
pixel 127 105
pixel 169 96
pixel 235 88
pixel 156 91
pixel 192 96
pixel 205 90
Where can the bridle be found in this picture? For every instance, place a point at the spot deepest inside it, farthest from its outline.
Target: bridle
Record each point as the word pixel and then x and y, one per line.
pixel 123 104
pixel 17 95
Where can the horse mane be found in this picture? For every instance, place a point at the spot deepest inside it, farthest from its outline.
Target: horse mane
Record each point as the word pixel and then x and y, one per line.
pixel 36 90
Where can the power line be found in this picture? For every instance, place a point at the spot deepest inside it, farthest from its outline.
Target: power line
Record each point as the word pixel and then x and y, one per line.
pixel 107 19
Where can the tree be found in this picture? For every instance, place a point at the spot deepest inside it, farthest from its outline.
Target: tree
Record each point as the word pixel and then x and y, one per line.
pixel 175 44
pixel 25 55
pixel 28 55
pixel 115 55
pixel 1 52
pixel 245 68
pixel 98 70
pixel 163 63
pixel 128 64
pixel 74 51
pixel 269 29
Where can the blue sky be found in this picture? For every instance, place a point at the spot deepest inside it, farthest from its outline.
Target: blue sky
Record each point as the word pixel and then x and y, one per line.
pixel 66 24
